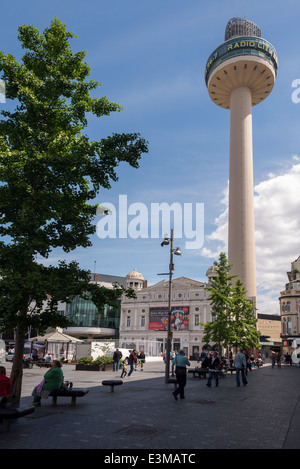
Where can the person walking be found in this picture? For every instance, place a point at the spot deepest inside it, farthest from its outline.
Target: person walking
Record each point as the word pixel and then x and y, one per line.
pixel 117 357
pixel 240 364
pixel 142 359
pixel 124 369
pixel 278 360
pixel 273 359
pixel 181 362
pixel 131 362
pixel 248 363
pixel 213 369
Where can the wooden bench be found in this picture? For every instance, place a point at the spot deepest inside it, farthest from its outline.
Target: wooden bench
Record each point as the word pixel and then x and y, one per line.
pixel 7 414
pixel 73 393
pixel 199 371
pixel 112 383
pixel 42 363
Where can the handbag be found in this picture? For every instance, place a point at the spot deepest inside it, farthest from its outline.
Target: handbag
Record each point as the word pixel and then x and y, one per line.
pixel 39 387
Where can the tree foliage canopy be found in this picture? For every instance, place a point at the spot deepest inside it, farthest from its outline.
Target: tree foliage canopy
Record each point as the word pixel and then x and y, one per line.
pixel 233 316
pixel 50 174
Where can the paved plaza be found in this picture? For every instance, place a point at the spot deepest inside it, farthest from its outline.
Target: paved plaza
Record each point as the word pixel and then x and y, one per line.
pixel 142 414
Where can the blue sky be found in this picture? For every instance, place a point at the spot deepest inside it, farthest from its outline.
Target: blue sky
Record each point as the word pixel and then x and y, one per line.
pixel 150 58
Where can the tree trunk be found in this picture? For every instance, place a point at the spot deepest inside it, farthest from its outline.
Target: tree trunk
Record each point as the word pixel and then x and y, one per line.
pixel 17 368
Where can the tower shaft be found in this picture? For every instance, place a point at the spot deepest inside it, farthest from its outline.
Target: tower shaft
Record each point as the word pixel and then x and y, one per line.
pixel 239 74
pixel 241 244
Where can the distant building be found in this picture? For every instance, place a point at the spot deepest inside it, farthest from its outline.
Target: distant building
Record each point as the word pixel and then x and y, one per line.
pixel 290 307
pixel 269 326
pixel 143 324
pixel 89 323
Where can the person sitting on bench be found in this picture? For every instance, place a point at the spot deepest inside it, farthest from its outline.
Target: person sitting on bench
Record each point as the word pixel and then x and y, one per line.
pixel 5 383
pixel 53 379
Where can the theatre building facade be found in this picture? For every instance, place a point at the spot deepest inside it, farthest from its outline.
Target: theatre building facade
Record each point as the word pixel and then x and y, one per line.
pixel 144 320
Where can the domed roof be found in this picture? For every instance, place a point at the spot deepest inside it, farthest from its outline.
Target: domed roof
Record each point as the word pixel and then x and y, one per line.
pixel 212 271
pixel 136 275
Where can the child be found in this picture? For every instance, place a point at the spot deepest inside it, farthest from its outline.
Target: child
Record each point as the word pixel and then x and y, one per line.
pixel 124 369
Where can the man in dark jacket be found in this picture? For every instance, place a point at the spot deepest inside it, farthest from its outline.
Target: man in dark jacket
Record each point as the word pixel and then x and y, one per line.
pixel 131 361
pixel 213 369
pixel 117 357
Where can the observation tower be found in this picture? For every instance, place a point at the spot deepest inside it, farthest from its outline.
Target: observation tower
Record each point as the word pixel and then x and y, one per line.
pixel 239 74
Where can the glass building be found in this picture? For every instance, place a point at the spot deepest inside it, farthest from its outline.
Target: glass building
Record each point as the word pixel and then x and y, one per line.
pixel 84 313
pixel 87 321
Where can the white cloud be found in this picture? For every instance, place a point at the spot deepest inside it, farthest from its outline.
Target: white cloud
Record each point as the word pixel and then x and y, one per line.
pixel 277 233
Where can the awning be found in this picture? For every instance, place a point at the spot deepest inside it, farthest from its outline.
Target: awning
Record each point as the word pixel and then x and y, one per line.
pixel 56 337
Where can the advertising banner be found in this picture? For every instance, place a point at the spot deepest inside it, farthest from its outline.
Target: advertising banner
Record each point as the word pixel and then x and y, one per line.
pixel 158 318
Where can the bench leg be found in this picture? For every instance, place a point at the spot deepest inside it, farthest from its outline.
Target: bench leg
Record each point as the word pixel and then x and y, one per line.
pixel 112 388
pixel 73 400
pixel 54 400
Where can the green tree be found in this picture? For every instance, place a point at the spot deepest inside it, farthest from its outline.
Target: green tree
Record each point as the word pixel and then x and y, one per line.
pixel 218 330
pixel 243 330
pixel 233 315
pixel 50 174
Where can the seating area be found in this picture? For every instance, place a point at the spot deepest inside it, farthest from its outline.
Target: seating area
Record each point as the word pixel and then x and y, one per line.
pixel 43 363
pixel 200 372
pixel 73 393
pixel 112 383
pixel 8 414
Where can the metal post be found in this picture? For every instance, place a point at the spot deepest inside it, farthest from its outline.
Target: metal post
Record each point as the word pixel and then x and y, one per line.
pixel 168 349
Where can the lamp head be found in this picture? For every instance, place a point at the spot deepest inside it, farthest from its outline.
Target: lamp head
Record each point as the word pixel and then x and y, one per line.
pixel 166 240
pixel 177 252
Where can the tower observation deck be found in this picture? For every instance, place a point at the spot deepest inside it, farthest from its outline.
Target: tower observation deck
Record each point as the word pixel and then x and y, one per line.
pixel 239 74
pixel 244 59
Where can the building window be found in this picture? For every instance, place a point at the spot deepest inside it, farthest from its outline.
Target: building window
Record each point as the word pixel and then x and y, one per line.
pixel 128 321
pixel 143 321
pixel 197 320
pixel 289 325
pixel 288 306
pixel 284 326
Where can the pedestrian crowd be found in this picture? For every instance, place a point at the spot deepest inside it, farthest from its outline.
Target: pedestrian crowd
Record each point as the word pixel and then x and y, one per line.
pixel 212 364
pixel 136 359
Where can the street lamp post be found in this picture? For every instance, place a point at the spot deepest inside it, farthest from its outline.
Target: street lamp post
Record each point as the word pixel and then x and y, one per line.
pixel 169 241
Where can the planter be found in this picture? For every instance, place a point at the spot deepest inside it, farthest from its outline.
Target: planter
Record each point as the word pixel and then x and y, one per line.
pixel 107 367
pixel 87 367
